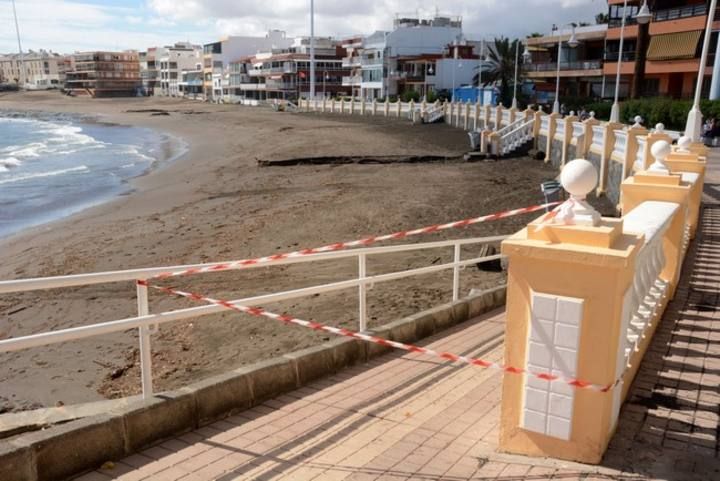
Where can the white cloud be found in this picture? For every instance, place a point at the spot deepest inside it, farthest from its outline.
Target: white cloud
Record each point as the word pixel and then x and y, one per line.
pixel 69 25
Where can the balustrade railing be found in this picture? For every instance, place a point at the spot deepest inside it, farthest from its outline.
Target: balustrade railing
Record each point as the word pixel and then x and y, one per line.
pixel 545 124
pixel 640 156
pixel 648 289
pixel 620 145
pixel 598 133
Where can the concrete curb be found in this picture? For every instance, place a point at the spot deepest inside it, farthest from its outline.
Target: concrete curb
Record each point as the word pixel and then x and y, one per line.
pixel 69 449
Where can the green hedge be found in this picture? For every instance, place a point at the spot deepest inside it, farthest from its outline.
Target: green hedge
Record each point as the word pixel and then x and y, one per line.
pixel 672 113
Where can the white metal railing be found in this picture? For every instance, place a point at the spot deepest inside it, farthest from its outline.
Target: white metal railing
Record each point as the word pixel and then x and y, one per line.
pixel 648 289
pixel 620 145
pixel 640 155
pixel 147 323
pixel 598 138
pixel 510 127
pixel 560 128
pixel 433 113
pixel 517 137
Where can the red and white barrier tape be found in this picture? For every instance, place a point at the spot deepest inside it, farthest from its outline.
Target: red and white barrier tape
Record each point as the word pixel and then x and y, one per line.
pixel 240 264
pixel 260 312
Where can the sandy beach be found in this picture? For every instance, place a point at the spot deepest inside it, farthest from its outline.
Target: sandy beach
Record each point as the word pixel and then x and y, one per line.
pixel 215 203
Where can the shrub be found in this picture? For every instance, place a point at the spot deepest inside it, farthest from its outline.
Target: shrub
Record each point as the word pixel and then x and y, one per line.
pixel 409 95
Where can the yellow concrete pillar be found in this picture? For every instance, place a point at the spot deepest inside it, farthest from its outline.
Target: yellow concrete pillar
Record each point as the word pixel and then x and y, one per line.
pixel 691 168
pixel 499 116
pixel 486 117
pixel 387 107
pixel 567 294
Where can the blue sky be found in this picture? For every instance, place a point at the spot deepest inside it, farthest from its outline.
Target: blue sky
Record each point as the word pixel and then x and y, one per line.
pixel 71 25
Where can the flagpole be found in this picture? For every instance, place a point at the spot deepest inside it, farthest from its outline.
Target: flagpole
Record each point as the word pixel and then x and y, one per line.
pixel 312 49
pixel 21 80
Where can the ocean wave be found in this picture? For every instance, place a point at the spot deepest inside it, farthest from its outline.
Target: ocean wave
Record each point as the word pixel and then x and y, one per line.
pixel 8 162
pixel 81 168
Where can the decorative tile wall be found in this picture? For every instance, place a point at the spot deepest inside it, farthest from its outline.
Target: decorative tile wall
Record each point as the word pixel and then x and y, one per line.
pixel 552 347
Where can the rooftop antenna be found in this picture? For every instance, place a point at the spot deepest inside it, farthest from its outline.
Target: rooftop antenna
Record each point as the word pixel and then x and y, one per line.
pixel 22 79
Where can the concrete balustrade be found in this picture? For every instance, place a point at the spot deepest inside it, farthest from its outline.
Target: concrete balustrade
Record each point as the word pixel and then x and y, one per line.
pixel 585 295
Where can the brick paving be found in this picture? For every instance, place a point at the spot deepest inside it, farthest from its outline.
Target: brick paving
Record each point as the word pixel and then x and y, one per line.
pixel 412 418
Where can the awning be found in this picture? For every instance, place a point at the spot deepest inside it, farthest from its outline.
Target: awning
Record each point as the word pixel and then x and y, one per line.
pixel 674 46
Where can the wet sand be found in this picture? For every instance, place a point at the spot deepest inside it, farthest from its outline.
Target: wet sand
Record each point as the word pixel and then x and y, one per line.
pixel 214 204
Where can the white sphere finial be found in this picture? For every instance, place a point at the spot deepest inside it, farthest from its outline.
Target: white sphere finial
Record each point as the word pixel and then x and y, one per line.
pixel 659 128
pixel 578 178
pixel 660 150
pixel 638 121
pixel 572 113
pixel 592 114
pixel 684 143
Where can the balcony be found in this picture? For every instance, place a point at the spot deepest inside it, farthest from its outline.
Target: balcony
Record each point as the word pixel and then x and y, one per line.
pixel 351 81
pixel 680 12
pixel 351 62
pixel 552 66
pixel 626 56
pixel 617 22
pixel 372 61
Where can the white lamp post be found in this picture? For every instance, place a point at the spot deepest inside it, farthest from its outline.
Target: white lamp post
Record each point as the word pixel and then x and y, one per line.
pixel 326 77
pixel 22 79
pixel 526 59
pixel 642 17
pixel 428 71
pixel 572 43
pixel 312 49
pixel 455 57
pixel 693 128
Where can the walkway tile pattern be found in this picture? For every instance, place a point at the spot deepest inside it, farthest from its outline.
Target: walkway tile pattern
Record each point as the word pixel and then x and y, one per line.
pixel 409 417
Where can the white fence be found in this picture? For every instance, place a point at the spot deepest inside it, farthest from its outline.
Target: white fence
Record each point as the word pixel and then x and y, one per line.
pixel 147 323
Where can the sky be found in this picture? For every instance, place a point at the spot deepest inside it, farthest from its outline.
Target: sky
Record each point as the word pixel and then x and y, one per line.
pixel 66 26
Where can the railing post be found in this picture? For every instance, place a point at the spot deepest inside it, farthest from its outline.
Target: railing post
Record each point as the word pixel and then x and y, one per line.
pixel 145 349
pixel 362 274
pixel 456 274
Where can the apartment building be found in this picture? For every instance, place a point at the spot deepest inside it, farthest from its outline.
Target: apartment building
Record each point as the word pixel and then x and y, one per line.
pixel 149 70
pixel 42 69
pixel 581 67
pixel 417 55
pixel 663 56
pixel 659 58
pixel 285 73
pixel 105 74
pixel 218 55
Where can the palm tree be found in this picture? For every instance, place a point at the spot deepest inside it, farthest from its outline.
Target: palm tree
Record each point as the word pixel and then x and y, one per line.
pixel 499 68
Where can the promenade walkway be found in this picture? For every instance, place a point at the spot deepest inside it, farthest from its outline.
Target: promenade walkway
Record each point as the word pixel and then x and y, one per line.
pixel 409 417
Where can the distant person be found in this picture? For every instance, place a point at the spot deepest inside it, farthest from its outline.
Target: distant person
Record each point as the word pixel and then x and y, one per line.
pixel 583 114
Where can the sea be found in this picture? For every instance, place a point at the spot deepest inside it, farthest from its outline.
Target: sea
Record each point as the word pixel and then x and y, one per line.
pixel 54 165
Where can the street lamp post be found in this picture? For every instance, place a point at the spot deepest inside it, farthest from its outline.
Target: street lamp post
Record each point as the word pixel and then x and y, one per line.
pixel 693 128
pixel 428 70
pixel 22 78
pixel 455 57
pixel 481 61
pixel 642 17
pixel 572 43
pixel 526 58
pixel 312 49
pixel 325 78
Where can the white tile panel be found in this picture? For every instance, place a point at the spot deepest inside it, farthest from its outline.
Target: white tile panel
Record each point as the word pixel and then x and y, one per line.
pixel 552 347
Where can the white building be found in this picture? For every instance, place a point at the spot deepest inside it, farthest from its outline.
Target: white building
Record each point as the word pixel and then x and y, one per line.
pixel 175 60
pixel 43 69
pixel 218 55
pixel 416 55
